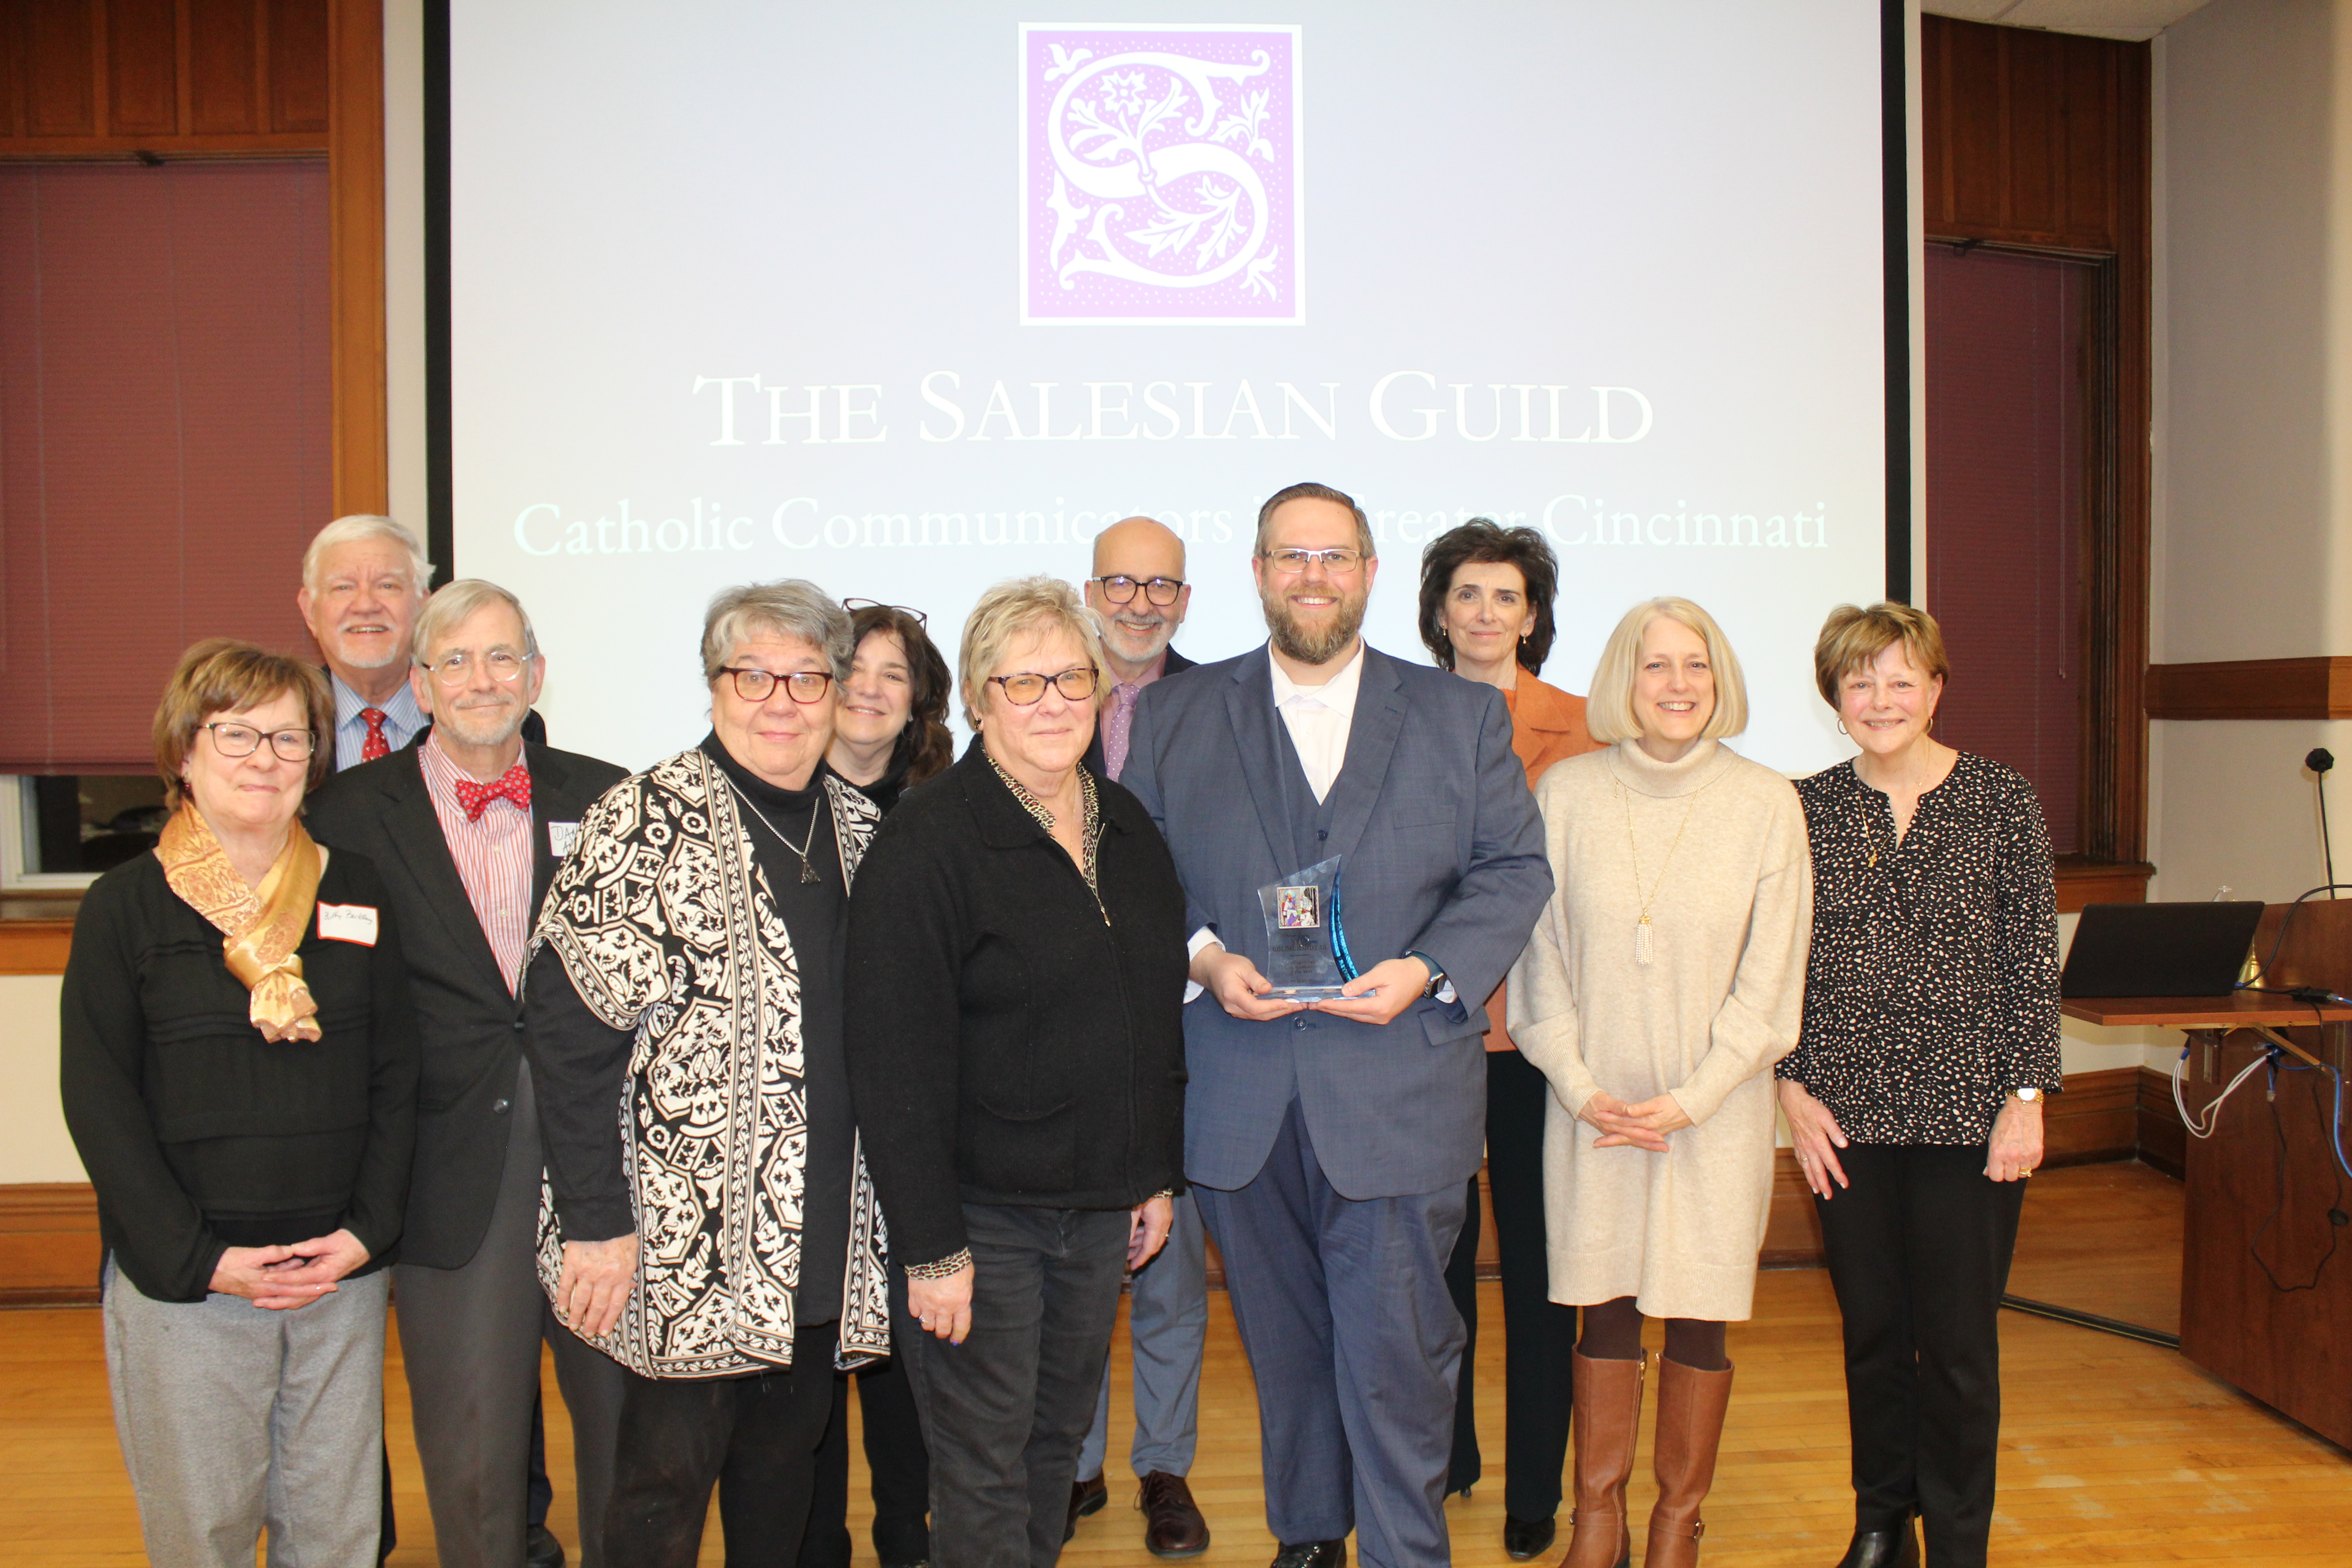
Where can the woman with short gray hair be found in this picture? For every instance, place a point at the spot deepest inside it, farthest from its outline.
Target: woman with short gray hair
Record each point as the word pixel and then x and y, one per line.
pixel 696 929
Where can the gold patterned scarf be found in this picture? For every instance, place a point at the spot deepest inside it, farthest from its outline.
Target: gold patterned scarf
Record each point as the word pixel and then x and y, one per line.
pixel 261 927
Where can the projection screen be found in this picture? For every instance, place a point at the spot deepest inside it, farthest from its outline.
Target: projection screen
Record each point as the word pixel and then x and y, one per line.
pixel 907 299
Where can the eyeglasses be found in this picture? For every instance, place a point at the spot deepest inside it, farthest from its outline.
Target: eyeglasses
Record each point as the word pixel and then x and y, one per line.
pixel 1023 690
pixel 1339 560
pixel 1120 589
pixel 803 686
pixel 854 606
pixel 244 739
pixel 458 667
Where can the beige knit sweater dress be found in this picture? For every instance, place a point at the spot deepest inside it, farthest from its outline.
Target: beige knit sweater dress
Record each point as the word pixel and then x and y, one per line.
pixel 1703 1020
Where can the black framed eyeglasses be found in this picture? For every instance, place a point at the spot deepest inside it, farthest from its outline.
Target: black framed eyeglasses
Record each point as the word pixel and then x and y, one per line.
pixel 854 606
pixel 1120 588
pixel 756 685
pixel 1023 690
pixel 244 739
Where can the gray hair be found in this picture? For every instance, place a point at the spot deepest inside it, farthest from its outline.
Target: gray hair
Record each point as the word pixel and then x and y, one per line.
pixel 354 529
pixel 793 607
pixel 458 601
pixel 1013 607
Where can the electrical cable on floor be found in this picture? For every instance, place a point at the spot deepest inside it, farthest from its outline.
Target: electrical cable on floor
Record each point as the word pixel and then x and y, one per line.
pixel 2082 1319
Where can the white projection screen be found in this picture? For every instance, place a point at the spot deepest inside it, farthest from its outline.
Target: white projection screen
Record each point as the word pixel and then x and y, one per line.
pixel 907 299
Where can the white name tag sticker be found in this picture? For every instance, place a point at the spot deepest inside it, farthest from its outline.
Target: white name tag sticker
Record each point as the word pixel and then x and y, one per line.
pixel 347 922
pixel 561 836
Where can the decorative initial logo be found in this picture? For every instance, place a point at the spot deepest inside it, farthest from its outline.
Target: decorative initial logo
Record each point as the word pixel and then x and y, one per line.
pixel 1160 177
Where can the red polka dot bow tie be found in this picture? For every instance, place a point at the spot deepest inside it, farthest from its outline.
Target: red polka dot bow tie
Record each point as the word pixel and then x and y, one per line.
pixel 514 785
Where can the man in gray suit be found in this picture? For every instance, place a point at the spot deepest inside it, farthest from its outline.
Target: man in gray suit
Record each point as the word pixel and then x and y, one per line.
pixel 1329 1142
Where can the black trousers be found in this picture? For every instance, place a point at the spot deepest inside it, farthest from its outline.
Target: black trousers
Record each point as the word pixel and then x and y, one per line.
pixel 1918 1249
pixel 1005 1412
pixel 901 1467
pixel 1538 1334
pixel 754 1437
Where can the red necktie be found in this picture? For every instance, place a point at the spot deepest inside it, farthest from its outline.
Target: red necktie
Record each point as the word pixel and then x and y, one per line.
pixel 375 745
pixel 514 785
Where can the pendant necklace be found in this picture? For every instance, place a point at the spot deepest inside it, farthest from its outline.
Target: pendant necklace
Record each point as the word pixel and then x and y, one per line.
pixel 808 872
pixel 1643 947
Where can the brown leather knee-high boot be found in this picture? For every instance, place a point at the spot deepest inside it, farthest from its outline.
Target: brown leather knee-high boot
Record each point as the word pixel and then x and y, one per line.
pixel 1608 1417
pixel 1691 1405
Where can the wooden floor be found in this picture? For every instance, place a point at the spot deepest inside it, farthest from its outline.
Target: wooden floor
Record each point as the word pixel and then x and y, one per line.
pixel 2113 1451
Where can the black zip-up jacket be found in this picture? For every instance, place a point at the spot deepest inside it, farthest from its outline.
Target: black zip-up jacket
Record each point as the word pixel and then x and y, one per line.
pixel 1011 1039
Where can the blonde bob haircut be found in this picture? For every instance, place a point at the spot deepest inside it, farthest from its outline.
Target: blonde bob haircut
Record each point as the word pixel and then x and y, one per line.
pixel 1012 609
pixel 221 675
pixel 1852 640
pixel 1609 701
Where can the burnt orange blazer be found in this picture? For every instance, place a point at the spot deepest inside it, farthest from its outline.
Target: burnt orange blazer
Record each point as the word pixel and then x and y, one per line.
pixel 1546 726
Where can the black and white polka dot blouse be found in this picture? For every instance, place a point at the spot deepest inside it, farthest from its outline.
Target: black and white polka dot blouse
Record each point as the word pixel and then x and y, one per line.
pixel 1932 990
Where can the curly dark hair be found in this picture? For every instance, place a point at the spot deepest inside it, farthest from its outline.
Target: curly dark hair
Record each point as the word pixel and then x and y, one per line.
pixel 1482 539
pixel 925 746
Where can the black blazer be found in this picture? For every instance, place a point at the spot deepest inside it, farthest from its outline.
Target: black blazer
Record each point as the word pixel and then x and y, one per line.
pixel 1010 1041
pixel 1096 764
pixel 470 1025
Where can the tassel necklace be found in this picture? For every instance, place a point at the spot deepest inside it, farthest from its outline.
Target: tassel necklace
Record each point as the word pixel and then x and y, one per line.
pixel 1644 947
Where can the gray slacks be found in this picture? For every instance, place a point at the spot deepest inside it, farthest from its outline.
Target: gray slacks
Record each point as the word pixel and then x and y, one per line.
pixel 1354 1344
pixel 1004 1413
pixel 470 1336
pixel 234 1419
pixel 1168 1323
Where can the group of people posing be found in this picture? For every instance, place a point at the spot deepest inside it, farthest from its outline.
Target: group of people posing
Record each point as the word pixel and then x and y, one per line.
pixel 816 1050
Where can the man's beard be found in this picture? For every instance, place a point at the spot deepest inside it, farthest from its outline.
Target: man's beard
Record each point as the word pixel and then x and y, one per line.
pixel 1157 639
pixel 1308 646
pixel 392 653
pixel 484 726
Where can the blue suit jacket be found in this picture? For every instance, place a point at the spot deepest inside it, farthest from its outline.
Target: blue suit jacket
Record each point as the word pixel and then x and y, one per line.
pixel 1445 854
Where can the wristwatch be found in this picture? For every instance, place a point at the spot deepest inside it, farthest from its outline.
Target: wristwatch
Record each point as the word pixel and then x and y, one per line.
pixel 1440 987
pixel 2028 1094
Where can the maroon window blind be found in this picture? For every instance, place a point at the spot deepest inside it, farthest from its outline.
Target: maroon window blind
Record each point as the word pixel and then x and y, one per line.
pixel 164 435
pixel 2006 394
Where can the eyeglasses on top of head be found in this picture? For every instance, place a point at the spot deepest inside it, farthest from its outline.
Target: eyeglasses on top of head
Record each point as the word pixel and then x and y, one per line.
pixel 1026 688
pixel 756 685
pixel 456 668
pixel 854 606
pixel 1339 560
pixel 1120 588
pixel 244 739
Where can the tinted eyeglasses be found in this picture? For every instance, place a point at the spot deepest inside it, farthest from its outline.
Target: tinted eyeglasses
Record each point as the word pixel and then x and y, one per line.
pixel 803 686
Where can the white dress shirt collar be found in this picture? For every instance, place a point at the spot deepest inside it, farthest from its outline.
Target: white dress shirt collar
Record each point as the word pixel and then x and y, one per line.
pixel 1318 718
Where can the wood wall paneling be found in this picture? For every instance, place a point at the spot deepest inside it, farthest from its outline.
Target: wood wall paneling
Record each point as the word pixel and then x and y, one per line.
pixel 2041 142
pixel 2316 688
pixel 355 242
pixel 185 78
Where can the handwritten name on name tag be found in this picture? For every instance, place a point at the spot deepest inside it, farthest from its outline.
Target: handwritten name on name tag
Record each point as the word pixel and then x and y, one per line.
pixel 347 922
pixel 561 836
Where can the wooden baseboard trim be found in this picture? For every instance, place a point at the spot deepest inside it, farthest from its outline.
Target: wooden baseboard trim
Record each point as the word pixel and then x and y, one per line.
pixel 35 946
pixel 2163 1140
pixel 2096 1121
pixel 48 1244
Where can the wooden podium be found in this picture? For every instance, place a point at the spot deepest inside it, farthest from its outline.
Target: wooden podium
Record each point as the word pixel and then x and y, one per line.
pixel 2266 1267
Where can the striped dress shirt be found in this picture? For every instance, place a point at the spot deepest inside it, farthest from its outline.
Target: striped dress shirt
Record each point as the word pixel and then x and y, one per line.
pixel 494 859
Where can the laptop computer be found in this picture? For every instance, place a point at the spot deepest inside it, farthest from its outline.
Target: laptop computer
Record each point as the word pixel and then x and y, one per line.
pixel 2161 950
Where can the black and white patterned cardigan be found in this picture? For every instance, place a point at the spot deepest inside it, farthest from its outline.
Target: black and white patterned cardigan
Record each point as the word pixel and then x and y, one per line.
pixel 662 918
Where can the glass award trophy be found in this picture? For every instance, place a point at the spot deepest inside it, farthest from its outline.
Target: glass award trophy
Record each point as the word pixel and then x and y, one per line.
pixel 1307 950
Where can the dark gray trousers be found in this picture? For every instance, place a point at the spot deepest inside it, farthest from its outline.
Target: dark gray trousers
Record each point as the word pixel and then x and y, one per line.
pixel 471 1338
pixel 1354 1344
pixel 1005 1412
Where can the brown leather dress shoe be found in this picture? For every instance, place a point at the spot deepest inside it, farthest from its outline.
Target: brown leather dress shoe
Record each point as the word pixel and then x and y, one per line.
pixel 1172 1525
pixel 1086 1498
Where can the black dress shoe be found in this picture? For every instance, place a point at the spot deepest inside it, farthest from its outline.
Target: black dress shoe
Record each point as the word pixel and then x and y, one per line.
pixel 1313 1554
pixel 541 1550
pixel 1897 1546
pixel 1523 1538
pixel 1086 1498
